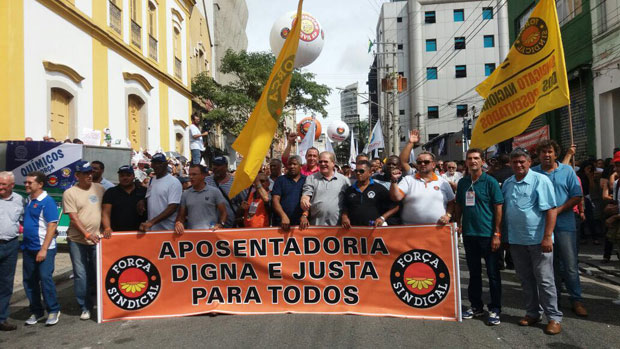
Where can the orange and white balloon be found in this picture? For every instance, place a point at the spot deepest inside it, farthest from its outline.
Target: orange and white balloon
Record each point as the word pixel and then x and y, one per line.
pixel 338 131
pixel 304 125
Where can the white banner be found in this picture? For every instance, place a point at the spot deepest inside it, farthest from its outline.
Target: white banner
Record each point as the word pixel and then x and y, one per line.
pixel 376 138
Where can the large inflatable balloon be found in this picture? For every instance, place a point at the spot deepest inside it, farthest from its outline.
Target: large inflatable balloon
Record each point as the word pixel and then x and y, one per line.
pixel 338 131
pixel 311 37
pixel 304 125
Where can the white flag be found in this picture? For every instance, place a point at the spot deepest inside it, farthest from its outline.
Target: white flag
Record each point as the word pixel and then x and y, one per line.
pixel 376 138
pixel 328 145
pixel 307 142
pixel 352 152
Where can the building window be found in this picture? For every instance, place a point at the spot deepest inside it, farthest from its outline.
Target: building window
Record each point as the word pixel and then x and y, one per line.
pixel 400 46
pixel 461 110
pixel 429 17
pixel 116 15
pixel 178 62
pixel 152 28
pixel 459 15
pixel 459 43
pixel 431 45
pixel 399 19
pixel 489 41
pixel 136 20
pixel 487 13
pixel 489 68
pixel 461 71
pixel 401 112
pixel 433 112
pixel 431 73
pixel 136 130
pixel 568 9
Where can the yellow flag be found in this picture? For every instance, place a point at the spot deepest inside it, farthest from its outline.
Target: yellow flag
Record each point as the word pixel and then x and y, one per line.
pixel 255 138
pixel 531 80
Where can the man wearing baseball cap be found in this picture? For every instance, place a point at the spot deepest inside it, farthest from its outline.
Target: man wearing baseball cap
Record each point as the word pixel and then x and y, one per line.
pixel 162 196
pixel 222 180
pixel 82 203
pixel 123 205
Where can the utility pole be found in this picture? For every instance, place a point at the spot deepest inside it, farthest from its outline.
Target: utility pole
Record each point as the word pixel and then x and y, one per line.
pixel 388 121
pixel 395 112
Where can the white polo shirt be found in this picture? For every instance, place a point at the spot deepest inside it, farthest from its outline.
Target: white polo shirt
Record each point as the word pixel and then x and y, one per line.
pixel 424 202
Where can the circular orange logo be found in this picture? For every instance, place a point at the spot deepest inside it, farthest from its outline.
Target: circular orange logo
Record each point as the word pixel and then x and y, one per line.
pixel 533 37
pixel 132 283
pixel 420 279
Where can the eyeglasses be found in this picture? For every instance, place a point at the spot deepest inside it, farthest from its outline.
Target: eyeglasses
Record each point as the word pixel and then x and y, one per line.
pixel 323 161
pixel 423 162
pixel 451 168
pixel 360 171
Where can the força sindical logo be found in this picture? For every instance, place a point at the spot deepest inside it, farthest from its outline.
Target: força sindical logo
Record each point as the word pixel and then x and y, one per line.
pixel 132 283
pixel 533 37
pixel 420 279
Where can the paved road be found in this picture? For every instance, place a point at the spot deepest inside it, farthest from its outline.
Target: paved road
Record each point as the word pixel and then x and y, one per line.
pixel 600 330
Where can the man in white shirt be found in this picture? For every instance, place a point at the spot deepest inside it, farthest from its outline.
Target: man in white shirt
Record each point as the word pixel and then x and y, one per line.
pixel 196 145
pixel 452 175
pixel 426 197
pixel 162 196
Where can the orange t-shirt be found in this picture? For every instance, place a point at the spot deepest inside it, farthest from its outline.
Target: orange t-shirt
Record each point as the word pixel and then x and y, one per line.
pixel 260 218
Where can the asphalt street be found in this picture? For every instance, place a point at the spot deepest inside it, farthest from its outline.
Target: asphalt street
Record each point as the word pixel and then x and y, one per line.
pixel 600 330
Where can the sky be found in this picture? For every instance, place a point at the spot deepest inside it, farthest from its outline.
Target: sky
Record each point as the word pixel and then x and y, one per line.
pixel 348 24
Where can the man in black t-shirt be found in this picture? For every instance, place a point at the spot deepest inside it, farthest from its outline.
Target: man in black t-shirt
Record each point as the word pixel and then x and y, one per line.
pixel 366 202
pixel 124 206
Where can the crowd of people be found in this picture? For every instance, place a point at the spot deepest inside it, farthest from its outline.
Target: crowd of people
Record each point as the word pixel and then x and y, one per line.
pixel 511 213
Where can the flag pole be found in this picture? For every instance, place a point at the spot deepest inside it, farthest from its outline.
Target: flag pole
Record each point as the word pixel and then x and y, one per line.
pixel 570 129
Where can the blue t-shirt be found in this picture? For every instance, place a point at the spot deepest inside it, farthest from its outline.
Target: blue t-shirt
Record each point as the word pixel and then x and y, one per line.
pixel 38 213
pixel 566 185
pixel 290 195
pixel 525 203
pixel 479 220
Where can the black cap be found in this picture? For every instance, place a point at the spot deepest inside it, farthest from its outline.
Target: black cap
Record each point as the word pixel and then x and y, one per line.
pixel 125 169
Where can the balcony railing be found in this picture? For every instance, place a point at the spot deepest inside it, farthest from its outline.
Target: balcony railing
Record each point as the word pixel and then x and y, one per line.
pixel 152 47
pixel 115 17
pixel 136 34
pixel 178 68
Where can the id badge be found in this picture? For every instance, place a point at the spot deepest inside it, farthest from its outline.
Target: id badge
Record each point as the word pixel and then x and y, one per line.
pixel 253 207
pixel 470 198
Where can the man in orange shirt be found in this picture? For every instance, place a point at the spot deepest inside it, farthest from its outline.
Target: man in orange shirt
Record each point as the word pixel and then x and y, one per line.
pixel 256 207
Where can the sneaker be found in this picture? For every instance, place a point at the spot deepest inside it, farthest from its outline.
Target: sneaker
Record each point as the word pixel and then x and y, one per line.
pixel 493 319
pixel 52 319
pixel 472 313
pixel 33 319
pixel 85 315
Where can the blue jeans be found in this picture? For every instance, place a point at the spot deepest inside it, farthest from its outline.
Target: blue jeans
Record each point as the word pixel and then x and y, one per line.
pixel 476 249
pixel 196 154
pixel 565 264
pixel 38 281
pixel 8 261
pixel 83 260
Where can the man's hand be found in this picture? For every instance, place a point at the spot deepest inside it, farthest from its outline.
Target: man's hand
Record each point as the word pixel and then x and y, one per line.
pixel 179 228
pixel 41 255
pixel 107 233
pixel 92 237
pixel 346 222
pixel 245 206
pixel 146 226
pixel 547 244
pixel 495 243
pixel 459 230
pixel 611 221
pixel 305 203
pixel 303 223
pixel 396 174
pixel 379 222
pixel 291 137
pixel 445 219
pixel 286 223
pixel 414 136
pixel 217 226
pixel 572 150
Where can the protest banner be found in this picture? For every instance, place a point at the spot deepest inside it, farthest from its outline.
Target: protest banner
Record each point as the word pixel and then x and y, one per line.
pixel 531 139
pixel 401 271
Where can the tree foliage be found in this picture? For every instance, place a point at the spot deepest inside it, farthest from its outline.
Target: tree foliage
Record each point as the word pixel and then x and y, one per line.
pixel 235 101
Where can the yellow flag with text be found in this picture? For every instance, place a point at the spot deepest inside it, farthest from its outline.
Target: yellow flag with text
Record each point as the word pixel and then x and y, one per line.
pixel 255 139
pixel 531 80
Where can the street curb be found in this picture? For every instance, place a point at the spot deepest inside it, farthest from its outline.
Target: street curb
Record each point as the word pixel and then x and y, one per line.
pixel 600 273
pixel 19 294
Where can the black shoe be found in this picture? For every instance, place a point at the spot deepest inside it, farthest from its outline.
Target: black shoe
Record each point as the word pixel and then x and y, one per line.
pixel 5 326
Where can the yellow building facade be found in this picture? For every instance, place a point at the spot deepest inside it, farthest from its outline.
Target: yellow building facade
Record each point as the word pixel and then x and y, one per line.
pixel 71 66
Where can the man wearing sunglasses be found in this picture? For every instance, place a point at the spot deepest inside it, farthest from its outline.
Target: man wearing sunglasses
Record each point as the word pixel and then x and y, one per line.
pixel 426 197
pixel 366 203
